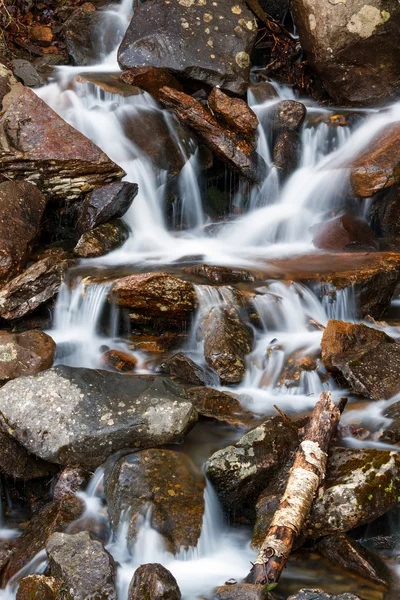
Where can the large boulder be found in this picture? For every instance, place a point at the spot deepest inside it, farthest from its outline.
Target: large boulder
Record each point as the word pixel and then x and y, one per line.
pixel 83 565
pixel 21 209
pixel 345 42
pixel 164 481
pixel 208 43
pixel 106 203
pixel 25 353
pixel 225 144
pixel 240 472
pixel 155 582
pixel 378 166
pixel 368 359
pixel 33 287
pixel 227 341
pixel 344 234
pixel 39 146
pixel 79 417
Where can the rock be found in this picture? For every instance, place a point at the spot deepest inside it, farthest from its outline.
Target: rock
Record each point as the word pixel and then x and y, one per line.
pixel 288 114
pixel 42 35
pixel 119 361
pixel 378 166
pixel 109 82
pixel 151 79
pixel 106 203
pixel 86 569
pixel 345 43
pixel 90 33
pixel 35 286
pixel 155 294
pixel 349 554
pixel 7 80
pixel 240 472
pixel 69 483
pixel 38 587
pixel 219 275
pixel 217 52
pixel 262 92
pixel 286 155
pixel 344 234
pixel 220 406
pixel 234 112
pixel 54 517
pixel 185 368
pixel 305 594
pixel 225 144
pixel 227 341
pixel 21 210
pixel 165 481
pixel 155 582
pixel 25 353
pixel 102 239
pixel 241 591
pixel 385 213
pixel 368 359
pixel 17 463
pixel 26 72
pixel 74 417
pixel 40 147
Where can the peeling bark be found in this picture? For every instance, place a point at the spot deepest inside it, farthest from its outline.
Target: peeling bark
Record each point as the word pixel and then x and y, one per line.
pixel 305 477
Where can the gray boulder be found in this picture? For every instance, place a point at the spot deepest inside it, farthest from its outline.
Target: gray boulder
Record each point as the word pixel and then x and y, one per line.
pixel 106 203
pixel 155 582
pixel 79 417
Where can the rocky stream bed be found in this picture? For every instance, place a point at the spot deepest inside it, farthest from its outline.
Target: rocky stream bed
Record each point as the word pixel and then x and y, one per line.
pixel 199 251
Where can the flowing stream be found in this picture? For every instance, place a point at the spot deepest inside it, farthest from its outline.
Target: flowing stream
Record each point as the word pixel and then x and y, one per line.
pixel 275 221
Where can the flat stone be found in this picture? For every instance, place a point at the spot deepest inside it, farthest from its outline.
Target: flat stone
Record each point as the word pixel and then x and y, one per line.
pixel 221 406
pixel 26 72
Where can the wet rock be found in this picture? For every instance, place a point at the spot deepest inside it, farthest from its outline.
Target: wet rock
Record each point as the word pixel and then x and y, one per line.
pixel 240 472
pixel 26 72
pixel 344 234
pixel 164 480
pixel 224 143
pixel 385 213
pixel 17 463
pixel 109 82
pixel 288 114
pixel 368 359
pixel 79 417
pixel 155 294
pixel 102 239
pixel 35 286
pixel 119 361
pixel 86 569
pixel 378 166
pixel 151 79
pixel 185 368
pixel 155 582
pixel 227 341
pixel 263 92
pixel 21 210
pixel 295 365
pixel 217 52
pixel 69 483
pixel 316 594
pixel 286 155
pixel 42 148
pixel 39 587
pixel 345 45
pixel 90 33
pixel 234 112
pixel 349 554
pixel 25 353
pixel 220 406
pixel 54 517
pixel 106 203
pixel 241 591
pixel 220 275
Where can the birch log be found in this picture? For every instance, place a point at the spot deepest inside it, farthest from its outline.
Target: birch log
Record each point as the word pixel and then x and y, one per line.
pixel 305 477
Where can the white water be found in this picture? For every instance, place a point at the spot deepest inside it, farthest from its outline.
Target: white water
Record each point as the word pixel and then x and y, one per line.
pixel 276 223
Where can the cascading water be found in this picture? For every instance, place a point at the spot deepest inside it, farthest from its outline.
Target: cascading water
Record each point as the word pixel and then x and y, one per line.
pixel 276 223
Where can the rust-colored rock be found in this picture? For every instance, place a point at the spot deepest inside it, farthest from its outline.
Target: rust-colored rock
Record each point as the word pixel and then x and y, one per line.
pixel 21 209
pixel 40 147
pixel 151 79
pixel 42 35
pixel 221 406
pixel 119 361
pixel 25 353
pixel 35 286
pixel 219 274
pixel 223 142
pixel 378 166
pixel 344 234
pixel 102 239
pixel 168 482
pixel 39 587
pixel 234 112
